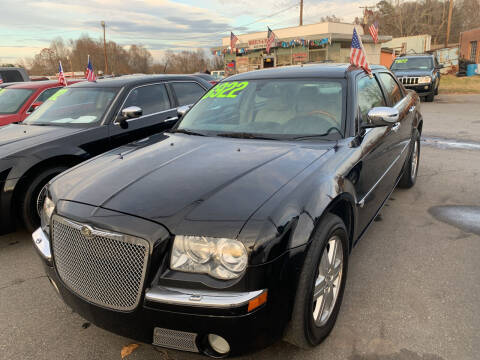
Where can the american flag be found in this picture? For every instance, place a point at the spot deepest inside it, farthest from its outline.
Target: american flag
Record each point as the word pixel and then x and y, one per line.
pixel 61 76
pixel 374 31
pixel 233 40
pixel 270 39
pixel 90 73
pixel 358 56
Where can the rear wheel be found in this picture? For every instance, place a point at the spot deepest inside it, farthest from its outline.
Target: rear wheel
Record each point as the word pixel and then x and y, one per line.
pixel 29 203
pixel 321 285
pixel 409 176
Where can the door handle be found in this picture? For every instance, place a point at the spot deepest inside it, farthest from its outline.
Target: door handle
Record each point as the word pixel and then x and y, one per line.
pixel 171 118
pixel 396 126
pixel 412 109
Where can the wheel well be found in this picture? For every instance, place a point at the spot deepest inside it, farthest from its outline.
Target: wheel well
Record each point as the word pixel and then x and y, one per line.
pixel 344 210
pixel 419 127
pixel 64 160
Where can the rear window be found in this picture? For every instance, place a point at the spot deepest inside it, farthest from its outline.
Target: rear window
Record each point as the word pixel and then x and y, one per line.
pixel 11 75
pixel 11 100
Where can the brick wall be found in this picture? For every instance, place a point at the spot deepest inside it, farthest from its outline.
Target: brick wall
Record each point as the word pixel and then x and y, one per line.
pixel 466 39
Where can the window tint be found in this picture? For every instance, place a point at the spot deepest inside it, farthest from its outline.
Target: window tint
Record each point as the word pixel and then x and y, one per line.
pixel 369 95
pixel 187 92
pixel 46 94
pixel 11 100
pixel 11 76
pixel 394 93
pixel 151 98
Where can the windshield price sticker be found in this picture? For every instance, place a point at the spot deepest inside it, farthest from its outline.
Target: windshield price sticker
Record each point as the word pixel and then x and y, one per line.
pixel 57 94
pixel 401 61
pixel 226 90
pixel 2 90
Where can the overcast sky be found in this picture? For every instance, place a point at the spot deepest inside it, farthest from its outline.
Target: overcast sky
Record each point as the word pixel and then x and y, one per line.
pixel 27 26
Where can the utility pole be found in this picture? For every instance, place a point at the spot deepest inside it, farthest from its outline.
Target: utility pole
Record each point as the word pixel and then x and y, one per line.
pixel 449 23
pixel 104 48
pixel 301 12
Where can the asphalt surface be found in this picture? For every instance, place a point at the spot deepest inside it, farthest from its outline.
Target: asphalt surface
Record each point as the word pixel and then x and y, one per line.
pixel 413 289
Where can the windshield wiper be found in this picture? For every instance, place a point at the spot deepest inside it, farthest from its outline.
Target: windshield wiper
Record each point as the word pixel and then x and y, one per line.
pixel 246 135
pixel 186 131
pixel 333 128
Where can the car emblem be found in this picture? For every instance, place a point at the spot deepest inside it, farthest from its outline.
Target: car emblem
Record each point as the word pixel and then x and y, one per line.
pixel 87 231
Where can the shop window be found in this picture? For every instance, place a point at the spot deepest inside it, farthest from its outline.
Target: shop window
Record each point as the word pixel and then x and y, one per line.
pixel 473 51
pixel 317 55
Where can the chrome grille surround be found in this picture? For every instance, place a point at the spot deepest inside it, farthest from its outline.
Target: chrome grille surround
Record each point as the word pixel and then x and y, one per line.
pixel 409 80
pixel 174 339
pixel 102 267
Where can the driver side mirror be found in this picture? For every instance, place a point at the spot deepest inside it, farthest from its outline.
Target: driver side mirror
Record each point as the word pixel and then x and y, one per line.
pixel 34 106
pixel 128 113
pixel 381 116
pixel 182 110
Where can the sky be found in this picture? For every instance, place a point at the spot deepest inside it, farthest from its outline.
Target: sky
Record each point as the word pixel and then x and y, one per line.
pixel 27 26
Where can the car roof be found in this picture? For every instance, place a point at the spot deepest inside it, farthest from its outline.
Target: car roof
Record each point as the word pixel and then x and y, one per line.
pixel 37 84
pixel 327 70
pixel 118 82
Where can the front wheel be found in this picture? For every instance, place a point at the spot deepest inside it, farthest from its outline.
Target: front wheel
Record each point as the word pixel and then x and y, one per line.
pixel 430 97
pixel 409 176
pixel 321 285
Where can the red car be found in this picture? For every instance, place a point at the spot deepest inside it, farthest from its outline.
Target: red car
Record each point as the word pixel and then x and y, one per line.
pixel 20 100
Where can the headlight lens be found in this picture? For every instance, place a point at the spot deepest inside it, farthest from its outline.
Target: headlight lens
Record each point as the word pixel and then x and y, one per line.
pixel 424 79
pixel 47 211
pixel 218 257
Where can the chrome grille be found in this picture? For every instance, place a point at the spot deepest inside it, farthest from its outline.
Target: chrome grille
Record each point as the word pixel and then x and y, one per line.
pixel 104 268
pixel 409 80
pixel 174 339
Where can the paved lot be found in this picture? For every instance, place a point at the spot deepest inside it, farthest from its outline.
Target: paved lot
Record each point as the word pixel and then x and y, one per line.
pixel 413 289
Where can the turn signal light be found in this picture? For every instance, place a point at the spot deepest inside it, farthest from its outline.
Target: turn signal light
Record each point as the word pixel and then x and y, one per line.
pixel 258 301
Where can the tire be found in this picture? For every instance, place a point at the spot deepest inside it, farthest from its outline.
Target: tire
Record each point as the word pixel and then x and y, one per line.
pixel 303 331
pixel 28 205
pixel 430 98
pixel 409 176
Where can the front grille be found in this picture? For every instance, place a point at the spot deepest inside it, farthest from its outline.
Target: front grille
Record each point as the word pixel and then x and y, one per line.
pixel 104 268
pixel 409 80
pixel 173 339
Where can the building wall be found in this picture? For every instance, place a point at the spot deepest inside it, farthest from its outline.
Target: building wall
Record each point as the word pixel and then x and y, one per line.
pixel 386 59
pixel 417 44
pixel 466 39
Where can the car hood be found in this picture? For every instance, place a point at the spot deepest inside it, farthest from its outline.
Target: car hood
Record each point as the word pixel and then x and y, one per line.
pixel 15 138
pixel 187 183
pixel 401 73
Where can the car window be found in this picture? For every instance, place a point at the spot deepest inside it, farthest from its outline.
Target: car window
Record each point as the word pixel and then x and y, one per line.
pixel 369 96
pixel 393 91
pixel 279 108
pixel 46 94
pixel 11 100
pixel 11 75
pixel 150 98
pixel 187 92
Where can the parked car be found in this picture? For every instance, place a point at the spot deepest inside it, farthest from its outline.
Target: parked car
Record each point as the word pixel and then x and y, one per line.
pixel 21 99
pixel 207 77
pixel 77 123
pixel 13 74
pixel 234 229
pixel 419 72
pixel 218 74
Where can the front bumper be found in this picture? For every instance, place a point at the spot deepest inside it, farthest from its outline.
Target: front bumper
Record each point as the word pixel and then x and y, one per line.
pixel 186 313
pixel 421 89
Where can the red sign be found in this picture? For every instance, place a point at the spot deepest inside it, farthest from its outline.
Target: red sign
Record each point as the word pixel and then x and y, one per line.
pixel 300 56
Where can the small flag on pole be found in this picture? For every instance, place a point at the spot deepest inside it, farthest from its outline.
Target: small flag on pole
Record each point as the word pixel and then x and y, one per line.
pixel 90 73
pixel 270 39
pixel 374 31
pixel 358 56
pixel 233 40
pixel 62 80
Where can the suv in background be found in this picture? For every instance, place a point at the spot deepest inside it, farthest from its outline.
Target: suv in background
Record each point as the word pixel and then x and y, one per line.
pixel 418 72
pixel 13 74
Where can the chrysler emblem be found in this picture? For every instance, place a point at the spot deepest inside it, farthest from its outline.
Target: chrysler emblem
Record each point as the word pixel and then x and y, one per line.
pixel 87 231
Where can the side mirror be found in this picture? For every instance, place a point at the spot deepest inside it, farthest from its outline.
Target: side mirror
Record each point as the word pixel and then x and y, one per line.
pixel 130 112
pixel 34 106
pixel 182 110
pixel 381 116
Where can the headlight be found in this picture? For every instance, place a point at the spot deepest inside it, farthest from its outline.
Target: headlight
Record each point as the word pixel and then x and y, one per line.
pixel 424 79
pixel 218 257
pixel 47 211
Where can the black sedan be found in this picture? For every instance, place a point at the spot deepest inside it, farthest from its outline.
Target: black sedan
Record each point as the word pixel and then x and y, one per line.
pixel 234 229
pixel 77 123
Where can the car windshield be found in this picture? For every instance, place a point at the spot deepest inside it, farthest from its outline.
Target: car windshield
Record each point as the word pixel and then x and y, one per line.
pixel 73 106
pixel 424 63
pixel 11 100
pixel 273 108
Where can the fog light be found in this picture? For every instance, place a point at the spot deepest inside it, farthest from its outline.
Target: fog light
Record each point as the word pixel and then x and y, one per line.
pixel 425 87
pixel 218 344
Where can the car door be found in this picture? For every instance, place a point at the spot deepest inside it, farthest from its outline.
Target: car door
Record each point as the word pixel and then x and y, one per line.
pixel 158 114
pixel 378 146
